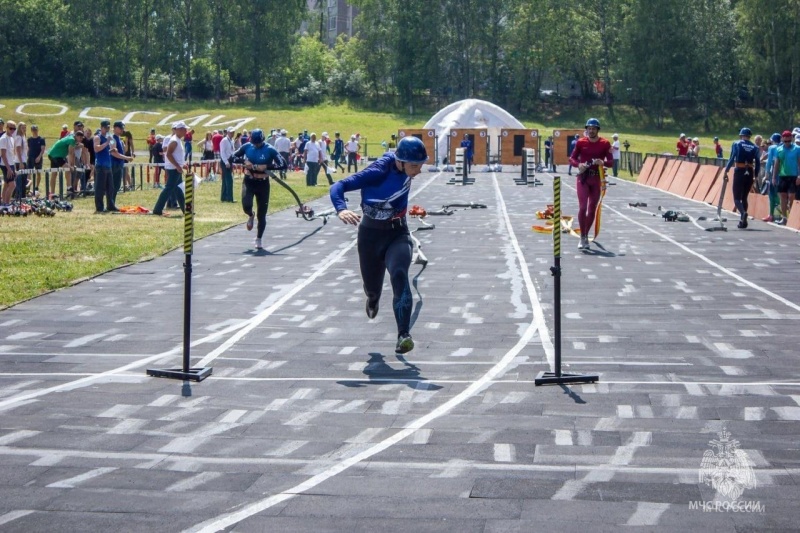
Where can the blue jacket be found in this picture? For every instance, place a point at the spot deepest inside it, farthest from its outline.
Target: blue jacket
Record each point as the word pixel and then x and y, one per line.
pixel 384 190
pixel 746 152
pixel 265 155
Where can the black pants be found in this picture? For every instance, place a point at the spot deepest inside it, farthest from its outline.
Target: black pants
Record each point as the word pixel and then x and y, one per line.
pixel 259 189
pixel 103 185
pixel 742 184
pixel 116 177
pixel 285 156
pixel 351 160
pixel 382 250
pixel 336 159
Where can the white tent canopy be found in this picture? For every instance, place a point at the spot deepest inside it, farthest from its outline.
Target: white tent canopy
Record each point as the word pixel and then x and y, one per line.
pixel 471 114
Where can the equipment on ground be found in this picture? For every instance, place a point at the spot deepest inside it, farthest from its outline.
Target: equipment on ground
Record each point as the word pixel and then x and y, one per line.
pixel 719 218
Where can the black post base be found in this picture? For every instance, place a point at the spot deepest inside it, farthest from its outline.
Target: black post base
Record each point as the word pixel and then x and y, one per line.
pixel 194 374
pixel 550 378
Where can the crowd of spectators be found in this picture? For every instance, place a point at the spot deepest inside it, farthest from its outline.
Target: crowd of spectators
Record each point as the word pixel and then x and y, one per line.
pixel 73 155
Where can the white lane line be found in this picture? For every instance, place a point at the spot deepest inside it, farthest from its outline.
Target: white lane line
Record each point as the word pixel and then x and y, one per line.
pixel 504 453
pixel 266 313
pixel 647 514
pixel 73 481
pixel 193 482
pixel 16 400
pixel 13 515
pixel 705 259
pixel 536 325
pixel 17 435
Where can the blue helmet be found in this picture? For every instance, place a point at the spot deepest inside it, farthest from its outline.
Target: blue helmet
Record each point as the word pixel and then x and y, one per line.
pixel 775 138
pixel 411 150
pixel 745 132
pixel 593 122
pixel 257 136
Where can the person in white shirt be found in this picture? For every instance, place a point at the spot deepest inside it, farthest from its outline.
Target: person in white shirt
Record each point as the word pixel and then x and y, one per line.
pixel 8 161
pixel 284 147
pixel 325 159
pixel 615 153
pixel 174 162
pixel 313 156
pixel 226 155
pixel 352 151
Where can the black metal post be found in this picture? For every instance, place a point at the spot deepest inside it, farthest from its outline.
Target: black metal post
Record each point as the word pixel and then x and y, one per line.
pixel 186 373
pixel 556 377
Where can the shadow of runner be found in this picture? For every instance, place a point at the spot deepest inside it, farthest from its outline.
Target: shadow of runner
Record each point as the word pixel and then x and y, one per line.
pixel 602 251
pixel 380 373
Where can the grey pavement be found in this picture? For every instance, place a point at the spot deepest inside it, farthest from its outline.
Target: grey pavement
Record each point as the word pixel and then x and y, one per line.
pixel 310 422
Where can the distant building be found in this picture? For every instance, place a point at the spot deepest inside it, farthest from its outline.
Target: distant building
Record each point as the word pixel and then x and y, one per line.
pixel 340 18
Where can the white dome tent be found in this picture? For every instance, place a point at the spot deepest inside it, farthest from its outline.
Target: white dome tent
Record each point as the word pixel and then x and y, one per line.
pixel 471 114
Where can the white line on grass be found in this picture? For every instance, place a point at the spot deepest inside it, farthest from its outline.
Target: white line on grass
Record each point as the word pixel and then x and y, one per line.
pixel 536 324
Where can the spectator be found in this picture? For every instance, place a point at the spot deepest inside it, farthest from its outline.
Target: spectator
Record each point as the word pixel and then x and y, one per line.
pixel 216 139
pixel 187 144
pixel 245 137
pixel 8 161
pixel 744 154
pixel 683 145
pixel 174 164
pixel 118 159
pixel 88 142
pixel 284 147
pixel 787 168
pixel 325 160
pixel 207 147
pixel 158 160
pixel 313 156
pixel 151 142
pixel 338 151
pixel 616 153
pixel 717 148
pixel 226 161
pixel 21 155
pixel 352 148
pixel 58 156
pixel 130 151
pixel 772 183
pixel 78 160
pixel 64 131
pixel 103 181
pixel 237 142
pixel 36 146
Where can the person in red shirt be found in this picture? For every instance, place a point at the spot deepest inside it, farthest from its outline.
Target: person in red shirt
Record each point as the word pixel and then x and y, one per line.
pixel 151 142
pixel 64 131
pixel 683 145
pixel 216 139
pixel 589 153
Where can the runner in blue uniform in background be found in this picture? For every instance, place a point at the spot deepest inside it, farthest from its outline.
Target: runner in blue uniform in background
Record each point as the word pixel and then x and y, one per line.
pixel 384 242
pixel 468 152
pixel 744 154
pixel 259 157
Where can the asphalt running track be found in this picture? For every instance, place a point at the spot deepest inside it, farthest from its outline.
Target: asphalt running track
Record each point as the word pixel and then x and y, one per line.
pixel 311 423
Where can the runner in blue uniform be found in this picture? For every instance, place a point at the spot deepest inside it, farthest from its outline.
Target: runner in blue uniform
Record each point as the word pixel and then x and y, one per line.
pixel 744 154
pixel 384 242
pixel 259 157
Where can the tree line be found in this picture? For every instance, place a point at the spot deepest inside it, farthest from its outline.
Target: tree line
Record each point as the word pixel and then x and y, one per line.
pixel 710 55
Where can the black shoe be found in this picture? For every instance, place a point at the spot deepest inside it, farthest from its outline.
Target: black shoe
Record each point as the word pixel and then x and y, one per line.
pixel 372 308
pixel 404 343
pixel 742 224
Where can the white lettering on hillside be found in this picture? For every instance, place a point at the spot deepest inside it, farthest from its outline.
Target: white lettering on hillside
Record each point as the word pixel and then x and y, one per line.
pixel 190 121
pixel 128 119
pixel 85 113
pixel 237 123
pixel 21 109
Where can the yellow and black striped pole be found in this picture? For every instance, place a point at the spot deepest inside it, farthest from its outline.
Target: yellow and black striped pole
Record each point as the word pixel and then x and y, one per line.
pixel 186 373
pixel 188 214
pixel 557 216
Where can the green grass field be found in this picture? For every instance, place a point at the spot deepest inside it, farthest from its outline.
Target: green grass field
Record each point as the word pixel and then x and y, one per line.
pixel 41 254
